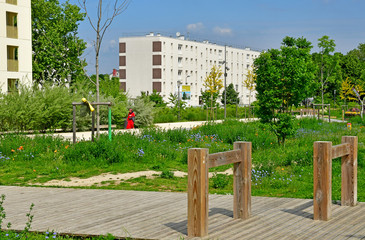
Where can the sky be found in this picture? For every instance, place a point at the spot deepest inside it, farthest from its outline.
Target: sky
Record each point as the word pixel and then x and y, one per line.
pixel 259 24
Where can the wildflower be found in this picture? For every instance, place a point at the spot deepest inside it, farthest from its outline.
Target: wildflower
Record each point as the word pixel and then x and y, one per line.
pixel 12 150
pixel 282 169
pixel 20 148
pixel 66 146
pixel 55 150
pixel 34 170
pixel 140 152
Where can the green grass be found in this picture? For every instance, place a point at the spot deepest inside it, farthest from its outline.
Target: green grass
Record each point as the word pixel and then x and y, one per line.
pixel 280 171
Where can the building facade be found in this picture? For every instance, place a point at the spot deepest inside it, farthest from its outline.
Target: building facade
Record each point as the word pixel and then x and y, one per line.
pixel 15 43
pixel 155 62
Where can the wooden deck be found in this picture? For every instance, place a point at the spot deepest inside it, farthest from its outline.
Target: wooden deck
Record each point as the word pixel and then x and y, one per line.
pixel 161 215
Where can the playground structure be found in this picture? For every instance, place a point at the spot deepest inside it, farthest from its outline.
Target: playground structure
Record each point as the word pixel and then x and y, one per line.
pixel 199 162
pixel 92 109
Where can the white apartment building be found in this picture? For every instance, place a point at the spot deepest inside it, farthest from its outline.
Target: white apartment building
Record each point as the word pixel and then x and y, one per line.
pixel 155 62
pixel 15 43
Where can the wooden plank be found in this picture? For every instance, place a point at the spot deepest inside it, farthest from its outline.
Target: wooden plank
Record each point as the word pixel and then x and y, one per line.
pixel 242 181
pixel 349 173
pixel 322 180
pixel 223 158
pixel 340 150
pixel 198 189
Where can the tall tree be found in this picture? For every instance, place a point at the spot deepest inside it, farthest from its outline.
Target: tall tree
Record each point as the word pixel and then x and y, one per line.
pixel 232 95
pixel 249 83
pixel 100 25
pixel 328 65
pixel 213 84
pixel 56 46
pixel 284 78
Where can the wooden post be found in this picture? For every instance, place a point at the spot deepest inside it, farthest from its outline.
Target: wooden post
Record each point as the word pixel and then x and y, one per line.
pixel 322 179
pixel 329 112
pixel 349 173
pixel 242 182
pixel 198 184
pixel 74 124
pixel 343 115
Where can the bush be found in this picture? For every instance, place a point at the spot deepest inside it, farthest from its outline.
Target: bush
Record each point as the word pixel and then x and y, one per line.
pixel 220 181
pixel 167 174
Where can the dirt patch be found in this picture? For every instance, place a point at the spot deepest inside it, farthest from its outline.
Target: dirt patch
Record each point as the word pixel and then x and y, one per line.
pixel 107 178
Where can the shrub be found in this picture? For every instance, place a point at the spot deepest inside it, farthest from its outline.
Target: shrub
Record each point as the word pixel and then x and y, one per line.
pixel 167 174
pixel 220 181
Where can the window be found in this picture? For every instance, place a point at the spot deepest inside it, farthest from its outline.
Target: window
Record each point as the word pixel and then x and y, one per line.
pixel 179 47
pixel 13 65
pixel 156 46
pixel 12 85
pixel 11 25
pixel 14 2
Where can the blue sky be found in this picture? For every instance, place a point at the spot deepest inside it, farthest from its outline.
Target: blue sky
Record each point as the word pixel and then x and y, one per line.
pixel 260 24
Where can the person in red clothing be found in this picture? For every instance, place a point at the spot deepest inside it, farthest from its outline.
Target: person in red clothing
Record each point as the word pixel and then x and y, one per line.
pixel 130 119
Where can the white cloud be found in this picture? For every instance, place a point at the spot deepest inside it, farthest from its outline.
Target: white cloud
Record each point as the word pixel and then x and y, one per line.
pixel 112 43
pixel 195 26
pixel 222 31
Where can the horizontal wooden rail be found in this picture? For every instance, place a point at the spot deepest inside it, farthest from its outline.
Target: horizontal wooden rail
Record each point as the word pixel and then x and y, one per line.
pixel 199 162
pixel 323 153
pixel 223 158
pixel 340 150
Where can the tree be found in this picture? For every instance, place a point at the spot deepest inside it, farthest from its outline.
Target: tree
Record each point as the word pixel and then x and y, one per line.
pixel 232 95
pixel 328 65
pixel 284 78
pixel 347 93
pixel 249 83
pixel 157 99
pixel 100 26
pixel 213 84
pixel 56 46
pixel 359 55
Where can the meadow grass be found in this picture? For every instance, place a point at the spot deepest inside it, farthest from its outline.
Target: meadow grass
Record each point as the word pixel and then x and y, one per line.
pixel 279 171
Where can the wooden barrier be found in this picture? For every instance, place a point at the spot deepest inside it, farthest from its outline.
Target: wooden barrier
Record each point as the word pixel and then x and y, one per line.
pixel 199 162
pixel 323 153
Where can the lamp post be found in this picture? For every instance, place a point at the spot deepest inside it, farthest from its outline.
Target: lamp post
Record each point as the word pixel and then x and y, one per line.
pixel 225 80
pixel 178 98
pixel 225 84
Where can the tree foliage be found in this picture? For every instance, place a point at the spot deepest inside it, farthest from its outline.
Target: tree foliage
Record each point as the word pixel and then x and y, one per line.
pixel 56 46
pixel 213 84
pixel 249 83
pixel 348 94
pixel 284 79
pixel 232 95
pixel 328 67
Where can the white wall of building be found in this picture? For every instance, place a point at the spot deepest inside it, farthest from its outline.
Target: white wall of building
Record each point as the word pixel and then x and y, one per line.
pixel 182 58
pixel 23 42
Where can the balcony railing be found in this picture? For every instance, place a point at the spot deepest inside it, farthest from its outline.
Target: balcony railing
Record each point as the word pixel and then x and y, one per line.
pixel 12 32
pixel 15 2
pixel 13 65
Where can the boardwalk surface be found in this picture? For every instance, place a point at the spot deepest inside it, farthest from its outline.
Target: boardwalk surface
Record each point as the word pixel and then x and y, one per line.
pixel 161 215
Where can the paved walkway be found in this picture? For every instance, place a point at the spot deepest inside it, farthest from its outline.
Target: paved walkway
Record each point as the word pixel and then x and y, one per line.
pixel 163 215
pixel 186 125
